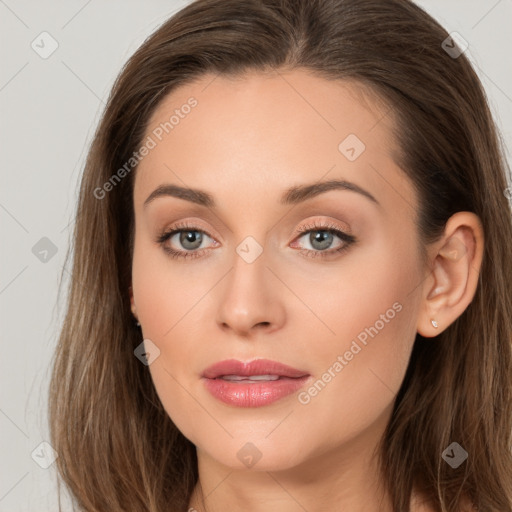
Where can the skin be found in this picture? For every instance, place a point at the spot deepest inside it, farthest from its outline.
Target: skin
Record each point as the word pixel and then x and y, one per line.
pixel 245 143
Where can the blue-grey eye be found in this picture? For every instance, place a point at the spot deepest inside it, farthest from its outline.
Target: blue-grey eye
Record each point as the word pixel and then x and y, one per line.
pixel 192 238
pixel 323 238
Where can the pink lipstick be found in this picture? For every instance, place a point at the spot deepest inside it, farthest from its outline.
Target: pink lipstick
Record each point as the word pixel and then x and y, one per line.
pixel 254 384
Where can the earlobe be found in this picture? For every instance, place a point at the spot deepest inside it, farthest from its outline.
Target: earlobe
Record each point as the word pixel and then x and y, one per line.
pixel 132 303
pixel 453 279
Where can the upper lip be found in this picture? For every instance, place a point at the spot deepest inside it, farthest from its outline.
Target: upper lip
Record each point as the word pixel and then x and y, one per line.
pixel 255 367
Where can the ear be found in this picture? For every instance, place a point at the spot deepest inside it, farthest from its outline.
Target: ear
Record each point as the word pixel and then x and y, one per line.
pixel 453 278
pixel 132 303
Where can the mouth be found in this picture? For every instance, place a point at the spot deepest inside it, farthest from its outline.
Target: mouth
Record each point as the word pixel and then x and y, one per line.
pixel 252 378
pixel 262 369
pixel 254 384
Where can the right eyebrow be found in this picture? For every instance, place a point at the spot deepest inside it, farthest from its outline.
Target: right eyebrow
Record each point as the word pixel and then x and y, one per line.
pixel 188 194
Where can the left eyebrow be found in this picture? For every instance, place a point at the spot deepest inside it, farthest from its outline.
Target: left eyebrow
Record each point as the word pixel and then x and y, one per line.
pixel 293 195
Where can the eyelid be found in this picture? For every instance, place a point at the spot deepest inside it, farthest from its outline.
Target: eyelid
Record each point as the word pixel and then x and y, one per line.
pixel 315 224
pixel 342 233
pixel 192 224
pixel 323 224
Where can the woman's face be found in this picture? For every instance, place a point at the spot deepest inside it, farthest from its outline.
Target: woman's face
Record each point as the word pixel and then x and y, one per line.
pixel 264 278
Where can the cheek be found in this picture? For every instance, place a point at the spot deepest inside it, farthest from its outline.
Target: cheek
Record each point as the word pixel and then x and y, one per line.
pixel 362 366
pixel 167 292
pixel 176 394
pixel 168 300
pixel 359 375
pixel 365 296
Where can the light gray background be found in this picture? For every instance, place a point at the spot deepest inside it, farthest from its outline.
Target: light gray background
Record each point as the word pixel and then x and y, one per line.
pixel 49 110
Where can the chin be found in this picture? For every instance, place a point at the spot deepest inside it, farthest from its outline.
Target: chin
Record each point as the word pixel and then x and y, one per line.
pixel 253 453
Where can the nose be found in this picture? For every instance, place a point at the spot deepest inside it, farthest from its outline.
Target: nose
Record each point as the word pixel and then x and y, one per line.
pixel 250 299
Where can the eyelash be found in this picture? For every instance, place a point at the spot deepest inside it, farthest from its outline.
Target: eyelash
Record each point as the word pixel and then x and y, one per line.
pixel 178 228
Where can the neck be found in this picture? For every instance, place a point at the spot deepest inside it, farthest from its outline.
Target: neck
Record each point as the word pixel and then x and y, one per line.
pixel 341 478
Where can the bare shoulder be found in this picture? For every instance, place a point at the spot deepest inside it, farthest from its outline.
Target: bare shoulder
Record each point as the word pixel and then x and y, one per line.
pixel 420 504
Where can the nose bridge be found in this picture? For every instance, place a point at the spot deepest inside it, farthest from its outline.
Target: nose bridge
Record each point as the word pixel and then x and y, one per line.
pixel 248 297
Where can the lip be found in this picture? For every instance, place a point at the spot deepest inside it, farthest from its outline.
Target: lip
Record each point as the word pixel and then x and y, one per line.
pixel 256 367
pixel 245 393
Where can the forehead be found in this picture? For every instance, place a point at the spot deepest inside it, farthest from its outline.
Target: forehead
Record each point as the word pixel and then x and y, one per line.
pixel 289 97
pixel 260 130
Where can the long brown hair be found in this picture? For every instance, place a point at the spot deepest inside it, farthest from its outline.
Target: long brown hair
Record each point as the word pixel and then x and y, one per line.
pixel 118 449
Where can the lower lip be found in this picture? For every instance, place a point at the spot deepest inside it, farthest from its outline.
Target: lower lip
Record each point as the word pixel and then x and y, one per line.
pixel 253 394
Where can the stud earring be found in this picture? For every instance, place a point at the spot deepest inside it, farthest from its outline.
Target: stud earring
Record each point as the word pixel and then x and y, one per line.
pixel 434 323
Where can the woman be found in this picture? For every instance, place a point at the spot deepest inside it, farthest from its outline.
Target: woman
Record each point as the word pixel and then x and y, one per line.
pixel 291 280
